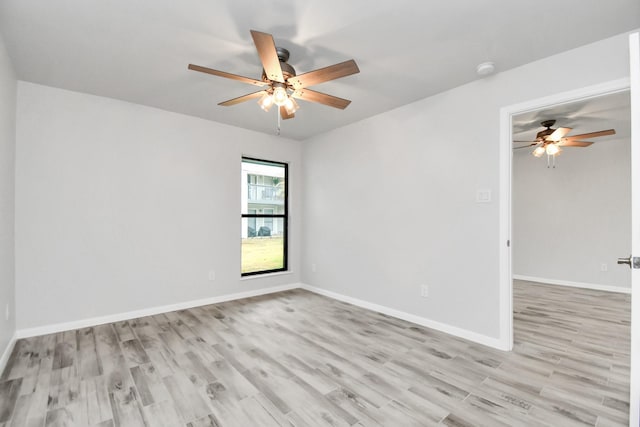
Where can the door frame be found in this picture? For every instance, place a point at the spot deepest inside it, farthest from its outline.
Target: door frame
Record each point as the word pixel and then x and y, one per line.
pixel 634 381
pixel 505 196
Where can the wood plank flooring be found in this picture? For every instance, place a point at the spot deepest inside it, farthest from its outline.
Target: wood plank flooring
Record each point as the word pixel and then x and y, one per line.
pixel 299 359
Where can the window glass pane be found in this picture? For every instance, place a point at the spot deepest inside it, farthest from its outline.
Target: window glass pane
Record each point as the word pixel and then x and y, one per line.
pixel 268 222
pixel 263 186
pixel 251 231
pixel 263 248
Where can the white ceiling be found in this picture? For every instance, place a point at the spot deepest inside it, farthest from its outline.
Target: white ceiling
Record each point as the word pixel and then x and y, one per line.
pixel 138 51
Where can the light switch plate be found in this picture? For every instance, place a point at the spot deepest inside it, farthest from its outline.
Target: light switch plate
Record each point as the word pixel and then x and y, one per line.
pixel 483 196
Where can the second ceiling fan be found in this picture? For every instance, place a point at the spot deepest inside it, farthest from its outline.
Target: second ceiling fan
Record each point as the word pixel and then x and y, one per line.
pixel 549 141
pixel 281 86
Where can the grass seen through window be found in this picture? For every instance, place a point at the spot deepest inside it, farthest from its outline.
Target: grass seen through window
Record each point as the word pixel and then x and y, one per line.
pixel 262 253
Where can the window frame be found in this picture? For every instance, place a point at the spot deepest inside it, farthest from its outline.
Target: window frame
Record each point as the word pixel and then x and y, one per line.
pixel 284 216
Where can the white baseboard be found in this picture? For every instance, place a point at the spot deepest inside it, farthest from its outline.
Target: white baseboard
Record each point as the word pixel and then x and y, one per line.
pixel 94 321
pixel 85 323
pixel 7 352
pixel 593 286
pixel 432 324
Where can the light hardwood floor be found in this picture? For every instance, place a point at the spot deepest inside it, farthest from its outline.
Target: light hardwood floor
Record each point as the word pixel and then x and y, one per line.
pixel 299 359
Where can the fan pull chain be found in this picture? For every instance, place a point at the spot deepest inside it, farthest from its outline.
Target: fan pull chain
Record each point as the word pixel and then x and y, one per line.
pixel 278 115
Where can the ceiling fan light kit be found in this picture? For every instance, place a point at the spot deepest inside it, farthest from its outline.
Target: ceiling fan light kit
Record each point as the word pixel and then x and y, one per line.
pixel 539 151
pixel 281 83
pixel 550 141
pixel 552 149
pixel 291 106
pixel 280 94
pixel 266 101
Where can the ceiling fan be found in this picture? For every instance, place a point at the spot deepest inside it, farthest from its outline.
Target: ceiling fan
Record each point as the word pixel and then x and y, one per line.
pixel 549 141
pixel 281 86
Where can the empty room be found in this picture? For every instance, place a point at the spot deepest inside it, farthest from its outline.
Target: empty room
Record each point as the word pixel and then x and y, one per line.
pixel 296 213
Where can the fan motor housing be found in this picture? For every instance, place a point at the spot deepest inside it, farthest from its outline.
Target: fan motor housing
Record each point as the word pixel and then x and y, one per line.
pixel 548 131
pixel 287 70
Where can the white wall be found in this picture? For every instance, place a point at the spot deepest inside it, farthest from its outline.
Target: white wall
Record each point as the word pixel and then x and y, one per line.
pixel 569 220
pixel 7 166
pixel 389 202
pixel 121 207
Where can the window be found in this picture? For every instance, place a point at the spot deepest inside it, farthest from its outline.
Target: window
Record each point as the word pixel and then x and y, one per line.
pixel 264 216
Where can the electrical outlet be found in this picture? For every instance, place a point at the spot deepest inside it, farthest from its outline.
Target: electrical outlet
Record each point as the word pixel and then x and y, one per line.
pixel 604 267
pixel 212 275
pixel 424 291
pixel 313 268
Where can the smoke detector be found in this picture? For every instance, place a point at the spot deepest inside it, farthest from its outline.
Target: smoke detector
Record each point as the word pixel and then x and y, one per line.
pixel 485 69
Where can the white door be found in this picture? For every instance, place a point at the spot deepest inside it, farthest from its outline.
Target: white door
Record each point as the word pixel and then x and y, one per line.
pixel 634 43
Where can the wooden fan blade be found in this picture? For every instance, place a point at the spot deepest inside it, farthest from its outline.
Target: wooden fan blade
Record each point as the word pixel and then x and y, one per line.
pixel 285 115
pixel 321 98
pixel 331 72
pixel 526 146
pixel 558 134
pixel 567 143
pixel 227 75
pixel 243 98
pixel 268 56
pixel 592 134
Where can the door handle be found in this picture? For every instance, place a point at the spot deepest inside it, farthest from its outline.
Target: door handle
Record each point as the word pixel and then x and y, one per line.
pixel 633 262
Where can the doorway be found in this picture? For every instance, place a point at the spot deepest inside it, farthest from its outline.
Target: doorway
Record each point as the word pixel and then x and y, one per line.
pixel 532 110
pixel 571 211
pixel 507 115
